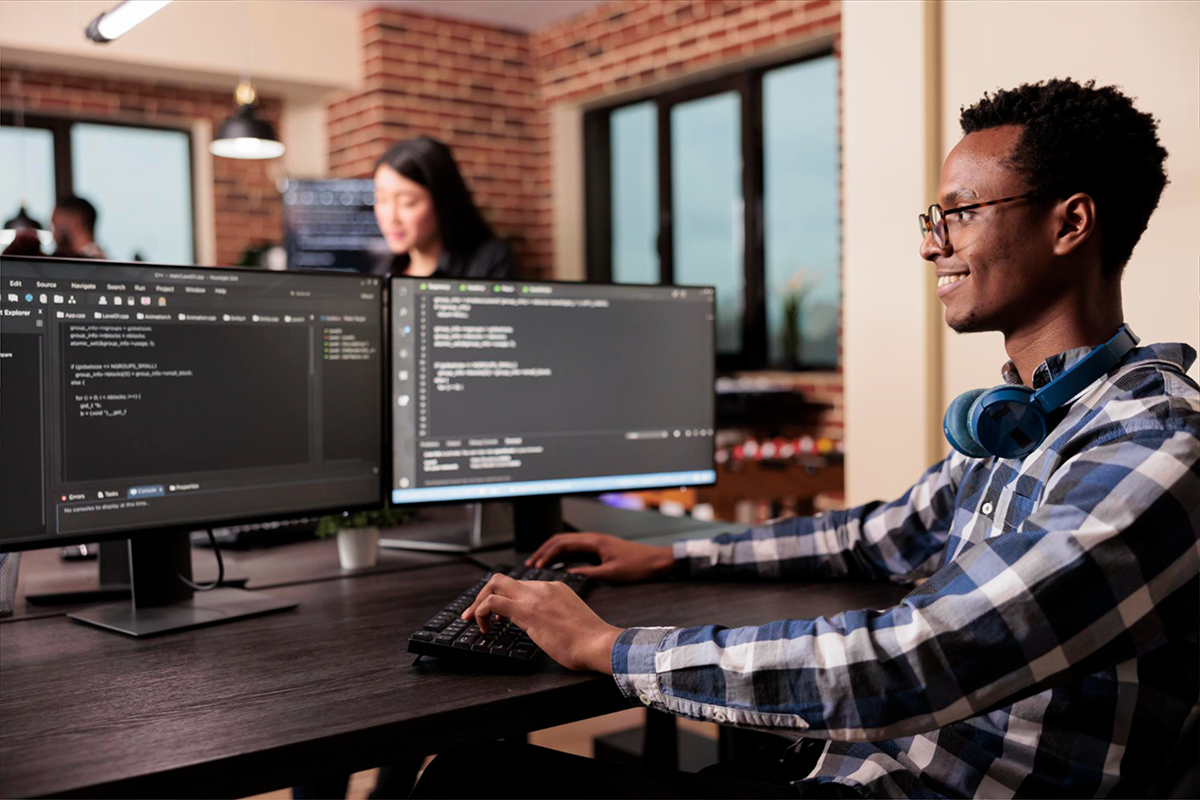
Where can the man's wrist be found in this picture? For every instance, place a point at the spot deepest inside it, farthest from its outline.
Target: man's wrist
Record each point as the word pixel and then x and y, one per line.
pixel 605 642
pixel 664 562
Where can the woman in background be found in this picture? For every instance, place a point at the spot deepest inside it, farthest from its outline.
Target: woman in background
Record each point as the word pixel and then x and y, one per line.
pixel 426 214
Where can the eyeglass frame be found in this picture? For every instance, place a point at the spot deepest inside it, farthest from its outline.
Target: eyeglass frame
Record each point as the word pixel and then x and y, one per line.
pixel 928 226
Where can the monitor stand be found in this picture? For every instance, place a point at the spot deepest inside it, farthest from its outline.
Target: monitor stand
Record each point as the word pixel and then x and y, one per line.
pixel 113 559
pixel 162 603
pixel 525 521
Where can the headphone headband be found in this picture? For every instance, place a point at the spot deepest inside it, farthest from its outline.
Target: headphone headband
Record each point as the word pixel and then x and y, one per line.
pixel 1086 370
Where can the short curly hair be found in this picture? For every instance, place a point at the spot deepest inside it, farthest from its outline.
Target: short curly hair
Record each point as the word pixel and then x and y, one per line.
pixel 1079 138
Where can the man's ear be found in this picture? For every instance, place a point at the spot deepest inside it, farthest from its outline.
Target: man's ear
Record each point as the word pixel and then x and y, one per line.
pixel 1075 220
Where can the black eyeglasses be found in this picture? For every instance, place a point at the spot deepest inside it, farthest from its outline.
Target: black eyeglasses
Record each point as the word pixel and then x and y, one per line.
pixel 934 221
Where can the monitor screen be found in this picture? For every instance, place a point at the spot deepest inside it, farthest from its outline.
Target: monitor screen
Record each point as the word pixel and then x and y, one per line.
pixel 511 388
pixel 138 396
pixel 330 225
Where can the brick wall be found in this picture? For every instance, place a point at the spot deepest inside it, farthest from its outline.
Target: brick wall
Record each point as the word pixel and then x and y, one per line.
pixel 470 86
pixel 247 207
pixel 634 44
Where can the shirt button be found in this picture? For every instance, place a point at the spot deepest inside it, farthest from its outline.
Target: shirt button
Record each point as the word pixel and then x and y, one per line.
pixel 720 717
pixel 644 699
pixel 987 508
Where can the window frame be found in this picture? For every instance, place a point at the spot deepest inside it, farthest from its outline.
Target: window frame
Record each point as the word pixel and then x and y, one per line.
pixel 64 176
pixel 597 165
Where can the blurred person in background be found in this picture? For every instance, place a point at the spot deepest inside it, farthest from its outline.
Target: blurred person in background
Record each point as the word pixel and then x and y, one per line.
pixel 431 223
pixel 74 222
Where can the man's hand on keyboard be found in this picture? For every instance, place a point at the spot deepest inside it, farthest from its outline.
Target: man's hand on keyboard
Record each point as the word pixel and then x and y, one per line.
pixel 621 560
pixel 555 618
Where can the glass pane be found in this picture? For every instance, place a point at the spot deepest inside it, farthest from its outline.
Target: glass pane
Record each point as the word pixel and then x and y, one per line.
pixel 706 186
pixel 26 173
pixel 801 220
pixel 140 182
pixel 633 133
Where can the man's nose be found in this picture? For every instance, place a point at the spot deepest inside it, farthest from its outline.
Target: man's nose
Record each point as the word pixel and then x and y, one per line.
pixel 930 249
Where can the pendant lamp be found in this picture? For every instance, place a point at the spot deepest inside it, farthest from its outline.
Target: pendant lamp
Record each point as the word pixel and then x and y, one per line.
pixel 244 135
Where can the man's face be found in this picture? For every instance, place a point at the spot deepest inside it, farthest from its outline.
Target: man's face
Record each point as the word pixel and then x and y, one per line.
pixel 64 227
pixel 998 258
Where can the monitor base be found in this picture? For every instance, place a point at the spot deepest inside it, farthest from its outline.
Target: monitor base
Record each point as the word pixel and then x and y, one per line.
pixel 204 608
pixel 454 529
pixel 523 523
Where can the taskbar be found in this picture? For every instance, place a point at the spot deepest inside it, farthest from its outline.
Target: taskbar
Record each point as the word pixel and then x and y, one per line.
pixel 607 483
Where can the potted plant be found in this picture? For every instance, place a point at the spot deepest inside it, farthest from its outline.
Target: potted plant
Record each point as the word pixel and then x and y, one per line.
pixel 358 533
pixel 798 289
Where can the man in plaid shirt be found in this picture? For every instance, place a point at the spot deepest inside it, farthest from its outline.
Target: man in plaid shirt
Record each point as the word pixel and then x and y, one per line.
pixel 1053 649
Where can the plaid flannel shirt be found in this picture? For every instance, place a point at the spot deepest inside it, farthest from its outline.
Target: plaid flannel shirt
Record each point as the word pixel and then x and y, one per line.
pixel 1052 650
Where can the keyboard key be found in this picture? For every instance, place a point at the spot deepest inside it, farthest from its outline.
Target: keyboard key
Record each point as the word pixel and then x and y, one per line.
pixel 444 639
pixel 466 640
pixel 422 636
pixel 522 652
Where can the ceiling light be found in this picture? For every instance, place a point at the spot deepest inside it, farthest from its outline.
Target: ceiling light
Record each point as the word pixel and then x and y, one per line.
pixel 122 18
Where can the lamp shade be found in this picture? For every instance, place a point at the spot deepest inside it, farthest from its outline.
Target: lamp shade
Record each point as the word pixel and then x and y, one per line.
pixel 244 135
pixel 22 220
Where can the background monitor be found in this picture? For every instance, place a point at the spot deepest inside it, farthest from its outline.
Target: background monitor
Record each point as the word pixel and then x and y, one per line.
pixel 330 225
pixel 511 389
pixel 139 399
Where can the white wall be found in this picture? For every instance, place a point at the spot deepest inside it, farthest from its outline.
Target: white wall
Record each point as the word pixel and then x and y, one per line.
pixel 1150 49
pixel 884 292
pixel 290 48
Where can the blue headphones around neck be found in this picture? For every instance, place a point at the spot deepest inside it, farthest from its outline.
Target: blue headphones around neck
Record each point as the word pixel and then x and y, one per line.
pixel 1011 421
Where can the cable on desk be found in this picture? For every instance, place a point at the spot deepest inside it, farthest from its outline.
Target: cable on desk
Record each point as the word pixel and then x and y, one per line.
pixel 208 587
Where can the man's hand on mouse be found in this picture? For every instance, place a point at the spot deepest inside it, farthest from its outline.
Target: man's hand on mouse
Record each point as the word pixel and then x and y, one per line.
pixel 555 618
pixel 621 561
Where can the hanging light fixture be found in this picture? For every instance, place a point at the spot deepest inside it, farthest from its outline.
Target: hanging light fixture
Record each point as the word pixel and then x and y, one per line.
pixel 22 219
pixel 244 135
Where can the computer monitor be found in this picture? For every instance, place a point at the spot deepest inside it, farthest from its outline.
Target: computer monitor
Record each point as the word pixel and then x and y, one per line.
pixel 507 390
pixel 143 401
pixel 329 224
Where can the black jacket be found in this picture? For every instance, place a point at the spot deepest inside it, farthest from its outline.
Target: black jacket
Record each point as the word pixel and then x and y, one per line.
pixel 492 259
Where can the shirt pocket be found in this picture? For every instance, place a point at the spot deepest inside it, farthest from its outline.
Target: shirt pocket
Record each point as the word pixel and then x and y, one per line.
pixel 1013 507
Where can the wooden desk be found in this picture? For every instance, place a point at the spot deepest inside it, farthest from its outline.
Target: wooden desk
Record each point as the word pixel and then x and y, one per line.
pixel 328 688
pixel 44 571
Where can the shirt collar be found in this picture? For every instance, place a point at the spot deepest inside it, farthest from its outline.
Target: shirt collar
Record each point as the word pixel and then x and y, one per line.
pixel 1180 355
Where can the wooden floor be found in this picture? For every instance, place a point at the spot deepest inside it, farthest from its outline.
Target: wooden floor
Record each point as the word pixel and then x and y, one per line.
pixel 575 738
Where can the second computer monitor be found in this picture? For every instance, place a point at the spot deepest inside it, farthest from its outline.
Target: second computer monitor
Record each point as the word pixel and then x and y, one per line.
pixel 505 389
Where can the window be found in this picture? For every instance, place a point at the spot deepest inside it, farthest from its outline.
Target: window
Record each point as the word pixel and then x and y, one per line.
pixel 733 183
pixel 138 178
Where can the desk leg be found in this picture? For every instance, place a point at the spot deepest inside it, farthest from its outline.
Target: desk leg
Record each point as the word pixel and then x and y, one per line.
pixel 660 749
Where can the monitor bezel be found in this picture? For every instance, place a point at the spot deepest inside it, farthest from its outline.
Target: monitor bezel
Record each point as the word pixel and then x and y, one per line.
pixel 461 501
pixel 62 540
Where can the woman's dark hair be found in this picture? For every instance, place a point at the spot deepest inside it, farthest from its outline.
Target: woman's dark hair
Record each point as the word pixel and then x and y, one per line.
pixel 428 162
pixel 1080 138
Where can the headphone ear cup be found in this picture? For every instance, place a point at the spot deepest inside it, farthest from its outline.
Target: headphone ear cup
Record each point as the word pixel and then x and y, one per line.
pixel 957 425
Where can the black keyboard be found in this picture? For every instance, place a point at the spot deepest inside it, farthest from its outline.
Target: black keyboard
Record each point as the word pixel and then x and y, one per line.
pixel 505 646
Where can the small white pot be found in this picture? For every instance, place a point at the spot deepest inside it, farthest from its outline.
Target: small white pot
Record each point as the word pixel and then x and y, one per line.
pixel 358 548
